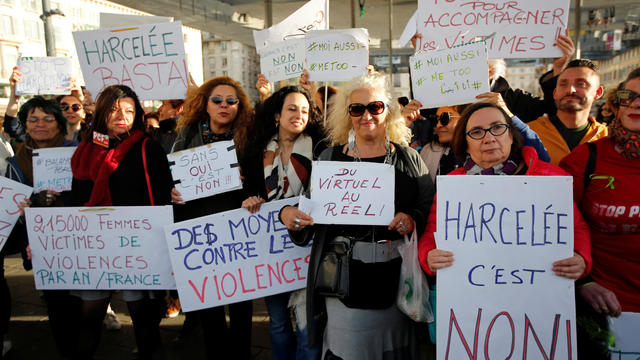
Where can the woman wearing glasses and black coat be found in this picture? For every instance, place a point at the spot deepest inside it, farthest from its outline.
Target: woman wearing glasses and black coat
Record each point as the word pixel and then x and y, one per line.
pixel 218 110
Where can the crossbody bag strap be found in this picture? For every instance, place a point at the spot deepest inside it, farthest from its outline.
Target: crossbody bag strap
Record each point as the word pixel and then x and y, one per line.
pixel 146 171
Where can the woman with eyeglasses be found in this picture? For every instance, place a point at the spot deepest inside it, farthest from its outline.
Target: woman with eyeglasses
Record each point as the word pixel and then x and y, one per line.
pixel 606 174
pixel 216 111
pixel 364 124
pixel 45 127
pixel 486 143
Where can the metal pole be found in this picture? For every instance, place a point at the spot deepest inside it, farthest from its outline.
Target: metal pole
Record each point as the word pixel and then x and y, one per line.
pixel 390 43
pixel 353 13
pixel 577 27
pixel 49 39
pixel 268 13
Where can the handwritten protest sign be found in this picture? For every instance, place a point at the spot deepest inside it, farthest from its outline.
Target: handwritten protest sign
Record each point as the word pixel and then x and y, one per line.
pixel 336 55
pixel 100 248
pixel 314 15
pixel 149 58
pixel 500 297
pixel 52 169
pixel 282 60
pixel 511 28
pixel 360 193
pixel 11 194
pixel 235 256
pixel 205 170
pixel 44 76
pixel 450 76
pixel 625 330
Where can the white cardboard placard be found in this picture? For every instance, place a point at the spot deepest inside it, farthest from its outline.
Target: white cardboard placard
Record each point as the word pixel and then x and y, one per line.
pixel 512 29
pixel 235 256
pixel 336 55
pixel 625 330
pixel 11 194
pixel 100 248
pixel 44 76
pixel 500 296
pixel 282 60
pixel 450 76
pixel 357 193
pixel 52 169
pixel 205 170
pixel 149 58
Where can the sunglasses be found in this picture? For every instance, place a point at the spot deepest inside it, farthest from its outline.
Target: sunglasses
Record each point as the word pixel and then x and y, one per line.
pixel 626 97
pixel 74 107
pixel 445 118
pixel 495 130
pixel 219 99
pixel 374 108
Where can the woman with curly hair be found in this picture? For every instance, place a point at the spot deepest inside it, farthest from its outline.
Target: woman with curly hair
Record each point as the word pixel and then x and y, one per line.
pixel 218 110
pixel 365 125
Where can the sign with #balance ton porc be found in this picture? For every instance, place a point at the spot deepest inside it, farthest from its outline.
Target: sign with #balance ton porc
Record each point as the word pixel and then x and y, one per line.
pixel 149 58
pixel 44 76
pixel 511 28
pixel 450 76
pixel 100 248
pixel 205 170
pixel 52 169
pixel 357 193
pixel 235 256
pixel 336 55
pixel 12 193
pixel 500 299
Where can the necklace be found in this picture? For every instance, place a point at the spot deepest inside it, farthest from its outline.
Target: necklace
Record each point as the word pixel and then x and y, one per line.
pixel 387 157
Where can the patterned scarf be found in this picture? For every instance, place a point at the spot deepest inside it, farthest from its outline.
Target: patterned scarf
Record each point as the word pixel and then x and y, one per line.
pixel 508 167
pixel 294 180
pixel 208 136
pixel 626 140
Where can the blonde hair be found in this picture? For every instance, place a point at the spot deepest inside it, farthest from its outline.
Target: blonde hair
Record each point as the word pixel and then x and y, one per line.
pixel 339 121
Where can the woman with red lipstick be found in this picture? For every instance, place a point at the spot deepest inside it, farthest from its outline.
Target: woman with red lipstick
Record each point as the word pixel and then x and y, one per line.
pixel 129 169
pixel 216 111
pixel 606 177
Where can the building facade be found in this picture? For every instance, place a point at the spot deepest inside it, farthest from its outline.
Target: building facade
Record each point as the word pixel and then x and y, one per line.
pixel 615 70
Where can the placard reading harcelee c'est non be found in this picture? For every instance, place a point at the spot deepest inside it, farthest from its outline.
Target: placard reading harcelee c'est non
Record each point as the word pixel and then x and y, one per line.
pixel 100 248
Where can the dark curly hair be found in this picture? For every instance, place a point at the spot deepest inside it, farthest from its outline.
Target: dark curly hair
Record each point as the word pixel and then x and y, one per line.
pixel 265 124
pixel 47 106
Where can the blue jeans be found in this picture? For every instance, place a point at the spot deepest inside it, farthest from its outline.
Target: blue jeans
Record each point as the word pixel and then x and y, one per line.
pixel 284 344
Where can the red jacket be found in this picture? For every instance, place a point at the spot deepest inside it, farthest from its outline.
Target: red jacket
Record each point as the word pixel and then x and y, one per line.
pixel 581 242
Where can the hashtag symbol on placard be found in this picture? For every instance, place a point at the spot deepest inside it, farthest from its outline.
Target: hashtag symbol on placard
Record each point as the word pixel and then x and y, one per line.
pixel 418 64
pixel 420 81
pixel 312 46
pixel 476 85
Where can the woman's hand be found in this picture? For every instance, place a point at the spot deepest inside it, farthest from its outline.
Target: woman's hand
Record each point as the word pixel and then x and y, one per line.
pixel 50 197
pixel 411 112
pixel 414 39
pixel 295 219
pixel 496 99
pixel 28 250
pixel 76 90
pixel 176 197
pixel 438 259
pixel 402 223
pixel 16 76
pixel 264 87
pixel 252 204
pixel 571 268
pixel 603 300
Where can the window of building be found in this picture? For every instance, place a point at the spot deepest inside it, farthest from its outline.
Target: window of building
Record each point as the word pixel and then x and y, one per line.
pixel 6 25
pixel 9 59
pixel 30 4
pixel 212 46
pixel 223 45
pixel 224 62
pixel 32 30
pixel 225 73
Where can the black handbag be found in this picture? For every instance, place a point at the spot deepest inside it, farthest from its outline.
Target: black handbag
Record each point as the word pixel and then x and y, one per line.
pixel 332 279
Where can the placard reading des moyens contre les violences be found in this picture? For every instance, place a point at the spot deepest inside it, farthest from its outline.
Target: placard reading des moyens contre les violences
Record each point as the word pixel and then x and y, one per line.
pixel 205 170
pixel 100 248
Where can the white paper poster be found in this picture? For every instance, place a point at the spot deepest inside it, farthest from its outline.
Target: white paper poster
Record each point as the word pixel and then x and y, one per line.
pixel 282 60
pixel 625 329
pixel 12 193
pixel 44 76
pixel 450 76
pixel 205 170
pixel 52 169
pixel 512 29
pixel 358 193
pixel 235 256
pixel 337 55
pixel 100 248
pixel 500 298
pixel 148 58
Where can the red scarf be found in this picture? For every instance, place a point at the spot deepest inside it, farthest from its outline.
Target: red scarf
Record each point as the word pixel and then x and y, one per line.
pixel 95 163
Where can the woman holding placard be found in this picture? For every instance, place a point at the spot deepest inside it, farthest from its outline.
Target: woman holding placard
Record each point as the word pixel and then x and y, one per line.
pixel 606 175
pixel 365 125
pixel 286 137
pixel 216 111
pixel 122 166
pixel 45 127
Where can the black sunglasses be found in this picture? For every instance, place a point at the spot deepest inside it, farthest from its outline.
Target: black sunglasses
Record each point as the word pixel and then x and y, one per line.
pixel 626 97
pixel 219 99
pixel 74 107
pixel 445 118
pixel 374 108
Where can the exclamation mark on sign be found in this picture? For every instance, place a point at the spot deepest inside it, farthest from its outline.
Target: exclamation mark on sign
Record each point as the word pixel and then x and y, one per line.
pixel 229 179
pixel 558 32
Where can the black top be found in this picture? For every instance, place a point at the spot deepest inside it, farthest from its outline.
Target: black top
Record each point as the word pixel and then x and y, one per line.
pixel 165 133
pixel 571 136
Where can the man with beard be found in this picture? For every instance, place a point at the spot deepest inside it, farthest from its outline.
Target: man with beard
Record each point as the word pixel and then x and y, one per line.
pixel 577 88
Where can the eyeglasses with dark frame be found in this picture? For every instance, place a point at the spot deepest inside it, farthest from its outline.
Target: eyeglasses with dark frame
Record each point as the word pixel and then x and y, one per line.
pixel 219 99
pixel 626 97
pixel 495 130
pixel 74 107
pixel 374 108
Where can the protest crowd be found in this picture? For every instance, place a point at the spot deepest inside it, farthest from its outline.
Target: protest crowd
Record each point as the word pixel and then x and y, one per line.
pixel 344 179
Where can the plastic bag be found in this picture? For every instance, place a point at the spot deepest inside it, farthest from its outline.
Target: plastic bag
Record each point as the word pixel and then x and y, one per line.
pixel 413 290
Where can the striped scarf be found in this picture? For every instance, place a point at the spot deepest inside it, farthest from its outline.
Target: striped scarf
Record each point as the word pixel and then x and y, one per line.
pixel 281 183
